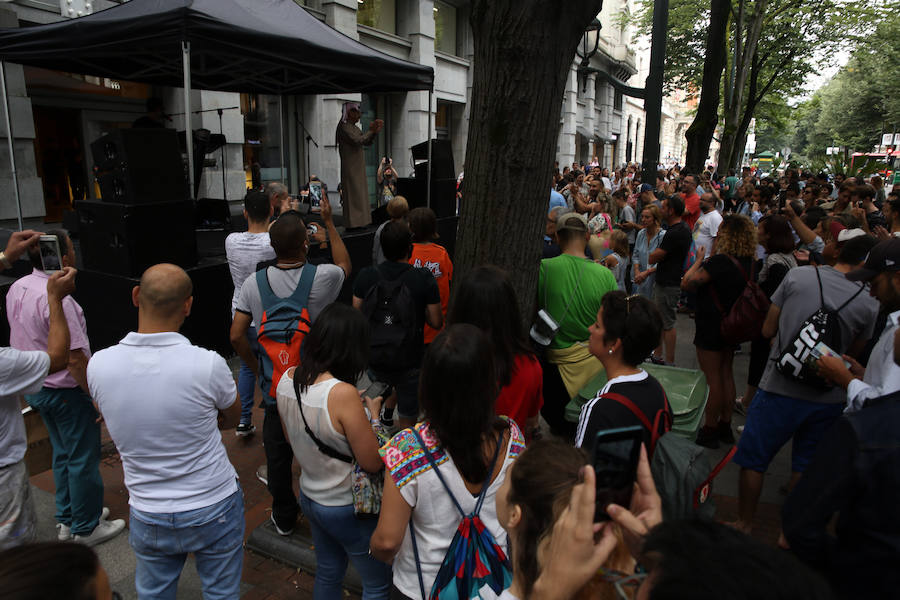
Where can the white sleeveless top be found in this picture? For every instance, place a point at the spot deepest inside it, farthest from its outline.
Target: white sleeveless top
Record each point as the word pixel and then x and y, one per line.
pixel 323 479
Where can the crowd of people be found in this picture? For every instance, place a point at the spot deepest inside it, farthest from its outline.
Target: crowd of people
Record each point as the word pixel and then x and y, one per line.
pixel 443 453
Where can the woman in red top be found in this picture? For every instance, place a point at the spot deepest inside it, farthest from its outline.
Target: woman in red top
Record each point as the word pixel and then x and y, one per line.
pixel 485 298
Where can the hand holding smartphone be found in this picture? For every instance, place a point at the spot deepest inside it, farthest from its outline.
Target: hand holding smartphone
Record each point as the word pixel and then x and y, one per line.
pixel 51 257
pixel 615 461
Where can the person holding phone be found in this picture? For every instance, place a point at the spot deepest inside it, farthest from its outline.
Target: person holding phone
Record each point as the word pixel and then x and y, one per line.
pixel 625 332
pixel 386 178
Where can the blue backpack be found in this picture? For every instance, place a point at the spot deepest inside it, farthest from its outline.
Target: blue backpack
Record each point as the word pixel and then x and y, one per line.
pixel 474 559
pixel 282 328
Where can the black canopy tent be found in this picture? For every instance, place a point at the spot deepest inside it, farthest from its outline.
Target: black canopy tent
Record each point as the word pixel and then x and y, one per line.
pixel 259 46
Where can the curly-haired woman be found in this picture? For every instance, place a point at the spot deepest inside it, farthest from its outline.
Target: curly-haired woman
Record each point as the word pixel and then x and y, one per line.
pixel 718 282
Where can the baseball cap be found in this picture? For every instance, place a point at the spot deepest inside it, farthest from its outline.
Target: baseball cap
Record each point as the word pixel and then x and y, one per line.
pixel 884 257
pixel 574 221
pixel 849 234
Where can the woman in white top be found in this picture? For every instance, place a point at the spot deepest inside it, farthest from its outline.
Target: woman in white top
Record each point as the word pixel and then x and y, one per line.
pixel 335 356
pixel 458 385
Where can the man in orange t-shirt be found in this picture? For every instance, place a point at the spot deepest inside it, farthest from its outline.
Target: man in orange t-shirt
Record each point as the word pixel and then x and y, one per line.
pixel 431 256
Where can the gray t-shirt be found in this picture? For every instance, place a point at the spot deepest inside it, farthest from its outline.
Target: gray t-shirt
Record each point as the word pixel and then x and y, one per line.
pixel 798 298
pixel 627 214
pixel 245 250
pixel 325 289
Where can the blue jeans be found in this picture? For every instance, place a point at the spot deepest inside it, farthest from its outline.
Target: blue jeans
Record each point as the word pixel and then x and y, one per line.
pixel 247 380
pixel 338 534
pixel 71 421
pixel 162 541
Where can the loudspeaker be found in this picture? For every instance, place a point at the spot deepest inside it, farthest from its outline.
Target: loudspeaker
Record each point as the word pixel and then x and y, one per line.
pixel 443 194
pixel 125 239
pixel 441 158
pixel 138 166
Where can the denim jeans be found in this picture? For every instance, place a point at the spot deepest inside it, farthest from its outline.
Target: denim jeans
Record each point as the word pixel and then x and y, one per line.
pixel 338 534
pixel 71 421
pixel 162 541
pixel 247 380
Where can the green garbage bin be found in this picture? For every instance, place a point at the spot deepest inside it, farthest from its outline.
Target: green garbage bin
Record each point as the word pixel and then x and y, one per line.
pixel 686 390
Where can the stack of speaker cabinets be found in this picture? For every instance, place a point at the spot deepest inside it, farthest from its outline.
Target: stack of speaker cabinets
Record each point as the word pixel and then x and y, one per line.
pixel 443 179
pixel 145 215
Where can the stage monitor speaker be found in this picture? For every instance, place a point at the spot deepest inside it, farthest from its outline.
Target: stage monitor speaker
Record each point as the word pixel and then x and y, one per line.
pixel 138 166
pixel 125 239
pixel 443 194
pixel 441 158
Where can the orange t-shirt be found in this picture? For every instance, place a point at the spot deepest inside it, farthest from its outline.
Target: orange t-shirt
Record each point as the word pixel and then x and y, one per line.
pixel 434 258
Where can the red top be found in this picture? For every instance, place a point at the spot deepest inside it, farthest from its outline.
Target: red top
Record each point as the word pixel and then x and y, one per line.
pixel 692 207
pixel 523 397
pixel 434 258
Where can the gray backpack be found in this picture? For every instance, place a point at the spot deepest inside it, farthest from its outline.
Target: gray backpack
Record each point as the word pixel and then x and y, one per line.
pixel 681 470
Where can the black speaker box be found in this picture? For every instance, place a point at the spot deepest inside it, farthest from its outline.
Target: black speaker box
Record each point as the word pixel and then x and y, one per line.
pixel 443 194
pixel 138 166
pixel 441 158
pixel 125 239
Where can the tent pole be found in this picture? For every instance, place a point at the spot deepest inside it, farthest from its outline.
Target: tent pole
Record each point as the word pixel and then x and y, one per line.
pixel 188 132
pixel 281 134
pixel 9 139
pixel 428 179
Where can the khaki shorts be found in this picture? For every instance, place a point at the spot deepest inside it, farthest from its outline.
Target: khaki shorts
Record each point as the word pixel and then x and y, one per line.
pixel 666 299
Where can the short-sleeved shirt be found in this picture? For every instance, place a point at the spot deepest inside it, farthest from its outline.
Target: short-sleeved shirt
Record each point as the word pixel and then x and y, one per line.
pixel 728 282
pixel 160 397
pixel 421 283
pixel 325 289
pixel 731 182
pixel 434 516
pixel 692 208
pixel 676 243
pixel 244 251
pixel 29 322
pixel 523 396
pixel 556 199
pixel 21 372
pixel 434 257
pixel 706 229
pixel 626 215
pixel 603 413
pixel 798 299
pixel 578 283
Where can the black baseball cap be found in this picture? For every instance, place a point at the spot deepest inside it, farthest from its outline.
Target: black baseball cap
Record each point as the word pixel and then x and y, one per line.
pixel 884 256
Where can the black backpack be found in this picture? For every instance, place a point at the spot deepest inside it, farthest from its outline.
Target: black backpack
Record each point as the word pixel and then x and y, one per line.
pixel 395 341
pixel 797 360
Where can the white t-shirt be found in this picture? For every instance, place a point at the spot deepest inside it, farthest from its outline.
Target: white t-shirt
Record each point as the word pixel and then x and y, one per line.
pixel 435 517
pixel 706 229
pixel 245 250
pixel 323 479
pixel 325 289
pixel 21 372
pixel 160 397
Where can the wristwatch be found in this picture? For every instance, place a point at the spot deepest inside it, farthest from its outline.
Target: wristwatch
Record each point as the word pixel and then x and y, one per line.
pixel 5 261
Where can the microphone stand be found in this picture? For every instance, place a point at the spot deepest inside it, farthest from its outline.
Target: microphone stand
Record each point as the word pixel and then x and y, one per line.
pixel 309 138
pixel 221 132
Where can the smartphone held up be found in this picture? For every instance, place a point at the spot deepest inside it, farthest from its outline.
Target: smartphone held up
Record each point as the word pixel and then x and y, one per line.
pixel 615 460
pixel 51 257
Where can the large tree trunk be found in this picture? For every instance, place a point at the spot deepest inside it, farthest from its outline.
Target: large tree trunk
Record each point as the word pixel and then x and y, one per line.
pixel 523 52
pixel 700 133
pixel 731 151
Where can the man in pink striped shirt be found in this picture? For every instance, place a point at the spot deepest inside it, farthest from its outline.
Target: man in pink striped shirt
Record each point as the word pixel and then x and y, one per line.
pixel 65 406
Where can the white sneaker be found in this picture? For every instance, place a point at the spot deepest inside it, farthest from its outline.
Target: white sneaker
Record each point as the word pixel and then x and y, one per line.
pixel 64 532
pixel 104 531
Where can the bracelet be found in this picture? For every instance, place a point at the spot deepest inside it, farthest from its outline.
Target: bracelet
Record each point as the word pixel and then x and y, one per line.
pixel 5 261
pixel 374 422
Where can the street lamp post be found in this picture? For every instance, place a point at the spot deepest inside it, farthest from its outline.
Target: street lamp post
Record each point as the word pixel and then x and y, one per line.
pixel 652 92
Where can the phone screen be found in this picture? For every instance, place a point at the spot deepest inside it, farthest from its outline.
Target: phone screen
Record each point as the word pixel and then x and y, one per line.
pixel 615 459
pixel 51 259
pixel 315 195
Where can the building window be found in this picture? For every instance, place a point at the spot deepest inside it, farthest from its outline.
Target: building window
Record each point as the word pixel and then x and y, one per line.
pixel 442 121
pixel 617 101
pixel 444 28
pixel 378 14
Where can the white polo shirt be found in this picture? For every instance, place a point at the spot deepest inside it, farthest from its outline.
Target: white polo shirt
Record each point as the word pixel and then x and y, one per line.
pixel 160 397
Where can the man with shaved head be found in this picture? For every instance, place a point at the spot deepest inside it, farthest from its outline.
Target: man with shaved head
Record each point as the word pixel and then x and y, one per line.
pixel 164 401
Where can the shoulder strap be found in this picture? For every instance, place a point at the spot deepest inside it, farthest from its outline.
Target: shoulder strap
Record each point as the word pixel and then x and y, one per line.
pixel 266 295
pixel 323 448
pixel 740 268
pixel 821 294
pixel 304 286
pixel 654 428
pixel 712 475
pixel 437 472
pixel 850 299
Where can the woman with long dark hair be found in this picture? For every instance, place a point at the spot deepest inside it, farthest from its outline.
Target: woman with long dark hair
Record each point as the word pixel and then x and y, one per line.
pixel 328 409
pixel 468 443
pixel 485 298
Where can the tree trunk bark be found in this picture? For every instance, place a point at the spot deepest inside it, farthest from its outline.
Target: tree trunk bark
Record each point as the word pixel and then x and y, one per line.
pixel 730 152
pixel 700 133
pixel 523 53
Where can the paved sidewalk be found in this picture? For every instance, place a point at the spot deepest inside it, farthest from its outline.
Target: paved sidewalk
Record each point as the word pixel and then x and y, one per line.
pixel 265 578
